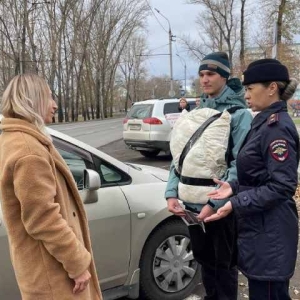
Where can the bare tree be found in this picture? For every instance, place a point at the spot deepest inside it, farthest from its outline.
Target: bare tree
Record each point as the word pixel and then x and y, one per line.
pixel 115 24
pixel 75 44
pixel 219 22
pixel 286 15
pixel 132 68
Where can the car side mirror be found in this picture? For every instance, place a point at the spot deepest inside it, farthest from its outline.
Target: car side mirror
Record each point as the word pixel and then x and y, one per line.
pixel 91 183
pixel 91 180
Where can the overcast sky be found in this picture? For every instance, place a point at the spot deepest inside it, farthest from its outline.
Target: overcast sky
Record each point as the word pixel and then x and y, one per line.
pixel 182 19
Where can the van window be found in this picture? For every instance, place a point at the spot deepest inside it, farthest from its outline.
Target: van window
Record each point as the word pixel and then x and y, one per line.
pixel 192 105
pixel 140 111
pixel 171 108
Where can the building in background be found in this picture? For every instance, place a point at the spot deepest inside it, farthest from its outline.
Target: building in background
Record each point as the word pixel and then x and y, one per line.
pixel 294 103
pixel 289 55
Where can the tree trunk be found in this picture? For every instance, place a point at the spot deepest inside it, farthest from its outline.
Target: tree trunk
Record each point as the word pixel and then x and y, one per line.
pixel 279 26
pixel 242 34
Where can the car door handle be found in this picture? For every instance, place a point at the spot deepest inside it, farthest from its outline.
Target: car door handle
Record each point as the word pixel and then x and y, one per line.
pixel 141 215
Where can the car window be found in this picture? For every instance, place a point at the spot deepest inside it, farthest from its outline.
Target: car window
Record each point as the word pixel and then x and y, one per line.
pixel 140 111
pixel 171 108
pixel 109 174
pixel 76 165
pixel 192 105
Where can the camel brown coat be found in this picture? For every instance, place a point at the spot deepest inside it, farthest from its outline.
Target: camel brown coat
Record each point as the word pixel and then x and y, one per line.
pixel 44 215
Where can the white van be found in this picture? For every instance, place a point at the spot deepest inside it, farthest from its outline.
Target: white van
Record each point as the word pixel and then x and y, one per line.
pixel 148 125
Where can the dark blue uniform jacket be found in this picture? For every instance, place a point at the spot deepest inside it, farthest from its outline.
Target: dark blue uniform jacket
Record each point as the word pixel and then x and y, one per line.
pixel 266 213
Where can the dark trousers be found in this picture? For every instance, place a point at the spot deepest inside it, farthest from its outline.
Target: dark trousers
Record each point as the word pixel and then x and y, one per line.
pixel 216 251
pixel 268 290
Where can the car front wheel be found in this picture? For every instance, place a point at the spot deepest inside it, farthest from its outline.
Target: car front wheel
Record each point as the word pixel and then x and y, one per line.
pixel 168 268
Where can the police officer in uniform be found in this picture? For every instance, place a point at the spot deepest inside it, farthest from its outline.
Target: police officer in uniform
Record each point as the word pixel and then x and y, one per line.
pixel 262 197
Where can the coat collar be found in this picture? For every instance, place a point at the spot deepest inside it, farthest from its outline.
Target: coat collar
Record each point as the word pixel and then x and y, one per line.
pixel 227 98
pixel 266 113
pixel 15 124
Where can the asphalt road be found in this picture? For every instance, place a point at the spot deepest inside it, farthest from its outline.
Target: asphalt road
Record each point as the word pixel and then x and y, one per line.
pixel 119 150
pixel 95 133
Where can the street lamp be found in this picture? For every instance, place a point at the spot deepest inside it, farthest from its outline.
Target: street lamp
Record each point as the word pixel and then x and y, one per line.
pixel 171 92
pixel 184 65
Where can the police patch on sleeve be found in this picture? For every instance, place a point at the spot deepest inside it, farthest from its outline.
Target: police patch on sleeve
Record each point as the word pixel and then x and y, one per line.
pixel 279 150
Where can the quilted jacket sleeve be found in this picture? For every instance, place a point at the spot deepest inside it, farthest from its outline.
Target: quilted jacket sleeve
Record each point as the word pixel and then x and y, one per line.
pixel 172 185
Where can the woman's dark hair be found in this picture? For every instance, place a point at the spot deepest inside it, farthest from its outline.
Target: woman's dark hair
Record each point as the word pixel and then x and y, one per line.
pixel 188 108
pixel 286 89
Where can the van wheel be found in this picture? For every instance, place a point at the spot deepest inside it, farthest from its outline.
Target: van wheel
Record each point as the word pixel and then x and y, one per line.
pixel 150 154
pixel 168 269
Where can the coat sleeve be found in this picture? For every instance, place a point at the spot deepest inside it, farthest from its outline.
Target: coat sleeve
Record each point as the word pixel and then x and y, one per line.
pixel 35 188
pixel 279 149
pixel 240 126
pixel 172 185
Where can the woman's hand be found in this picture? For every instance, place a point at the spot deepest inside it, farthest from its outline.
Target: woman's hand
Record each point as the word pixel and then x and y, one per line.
pixel 81 282
pixel 223 192
pixel 221 213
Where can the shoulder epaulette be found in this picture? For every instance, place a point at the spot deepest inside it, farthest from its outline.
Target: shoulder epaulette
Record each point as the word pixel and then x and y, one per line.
pixel 274 118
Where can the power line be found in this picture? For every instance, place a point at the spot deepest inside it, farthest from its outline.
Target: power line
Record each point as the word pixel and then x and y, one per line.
pixel 183 51
pixel 156 16
pixel 151 66
pixel 157 54
pixel 158 47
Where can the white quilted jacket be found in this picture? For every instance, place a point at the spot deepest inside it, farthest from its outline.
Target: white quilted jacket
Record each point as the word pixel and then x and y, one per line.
pixel 206 159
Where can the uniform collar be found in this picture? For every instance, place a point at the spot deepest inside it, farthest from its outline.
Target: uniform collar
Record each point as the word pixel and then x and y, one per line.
pixel 266 113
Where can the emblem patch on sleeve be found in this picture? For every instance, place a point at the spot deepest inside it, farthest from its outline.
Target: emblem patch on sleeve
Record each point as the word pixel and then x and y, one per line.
pixel 279 150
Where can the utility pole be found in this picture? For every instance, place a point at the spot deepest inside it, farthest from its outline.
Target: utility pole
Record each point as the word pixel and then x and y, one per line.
pixel 184 65
pixel 171 92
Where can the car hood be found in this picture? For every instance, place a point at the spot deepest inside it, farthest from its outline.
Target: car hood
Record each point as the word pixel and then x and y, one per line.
pixel 159 173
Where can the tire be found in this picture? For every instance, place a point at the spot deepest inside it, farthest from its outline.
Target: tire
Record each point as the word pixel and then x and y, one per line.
pixel 149 154
pixel 160 270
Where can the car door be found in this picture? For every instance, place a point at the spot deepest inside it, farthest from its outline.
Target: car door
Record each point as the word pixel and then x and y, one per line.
pixel 109 217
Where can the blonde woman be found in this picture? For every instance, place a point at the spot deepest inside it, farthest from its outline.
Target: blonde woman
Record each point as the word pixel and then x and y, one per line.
pixel 46 223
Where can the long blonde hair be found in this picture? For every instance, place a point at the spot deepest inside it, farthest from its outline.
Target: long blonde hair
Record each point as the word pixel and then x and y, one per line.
pixel 26 97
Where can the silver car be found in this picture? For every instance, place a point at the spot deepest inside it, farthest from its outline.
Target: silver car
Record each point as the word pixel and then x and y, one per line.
pixel 147 126
pixel 140 249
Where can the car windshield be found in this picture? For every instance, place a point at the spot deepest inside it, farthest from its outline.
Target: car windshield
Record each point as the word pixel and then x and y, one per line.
pixel 171 108
pixel 140 111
